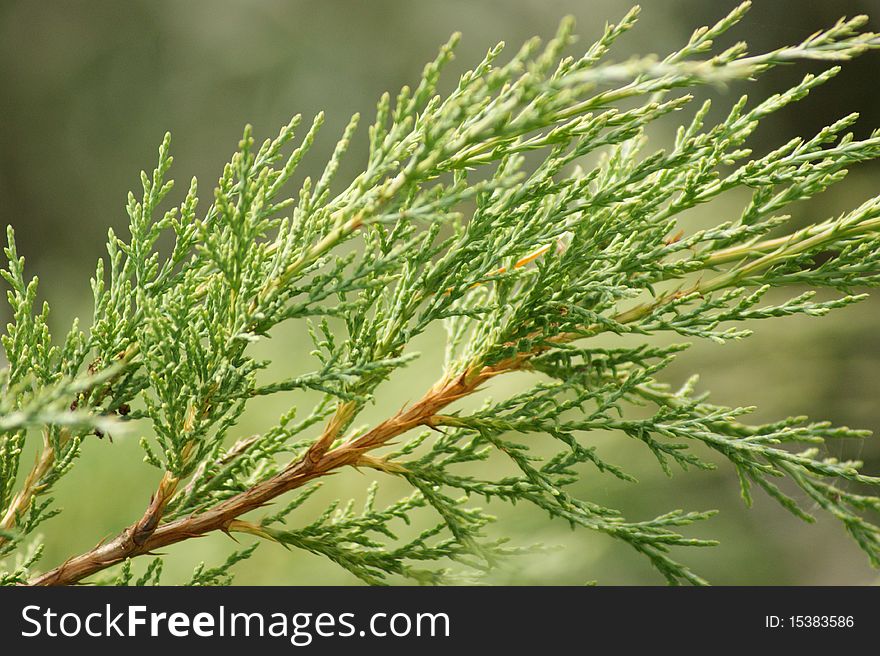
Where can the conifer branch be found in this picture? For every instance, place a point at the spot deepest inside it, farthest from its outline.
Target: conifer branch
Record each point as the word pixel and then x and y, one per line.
pixel 450 223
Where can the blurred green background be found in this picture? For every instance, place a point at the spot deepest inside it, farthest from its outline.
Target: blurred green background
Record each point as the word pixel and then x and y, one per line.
pixel 87 89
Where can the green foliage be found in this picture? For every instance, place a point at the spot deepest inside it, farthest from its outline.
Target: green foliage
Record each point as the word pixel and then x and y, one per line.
pixel 527 212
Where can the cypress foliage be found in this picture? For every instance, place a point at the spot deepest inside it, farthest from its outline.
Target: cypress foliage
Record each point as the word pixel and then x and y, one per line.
pixel 527 212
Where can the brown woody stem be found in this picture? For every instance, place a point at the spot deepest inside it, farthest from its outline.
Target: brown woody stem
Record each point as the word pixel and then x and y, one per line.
pixel 147 535
pixel 30 488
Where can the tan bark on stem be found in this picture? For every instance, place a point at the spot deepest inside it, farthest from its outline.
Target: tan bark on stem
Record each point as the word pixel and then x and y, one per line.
pixel 21 501
pixel 146 536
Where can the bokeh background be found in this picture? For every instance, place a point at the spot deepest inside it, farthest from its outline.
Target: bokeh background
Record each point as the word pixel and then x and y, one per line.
pixel 88 87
